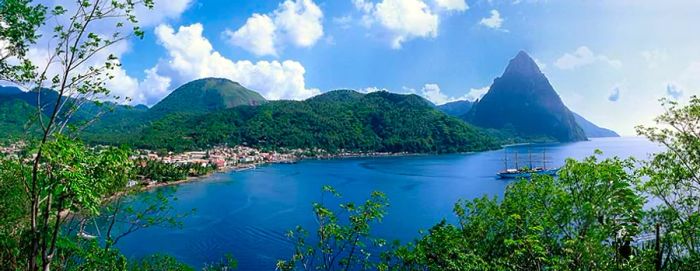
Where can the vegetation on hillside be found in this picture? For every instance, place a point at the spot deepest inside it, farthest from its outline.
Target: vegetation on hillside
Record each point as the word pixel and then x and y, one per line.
pixel 339 120
pixel 204 96
pixel 15 117
pixel 334 121
pixel 159 171
pixel 591 217
pixel 456 108
pixel 55 185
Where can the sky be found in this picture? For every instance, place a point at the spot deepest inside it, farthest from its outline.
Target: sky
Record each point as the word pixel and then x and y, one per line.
pixel 610 61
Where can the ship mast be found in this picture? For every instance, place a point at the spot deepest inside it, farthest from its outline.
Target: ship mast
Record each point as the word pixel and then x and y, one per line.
pixel 529 154
pixel 544 160
pixel 505 158
pixel 516 160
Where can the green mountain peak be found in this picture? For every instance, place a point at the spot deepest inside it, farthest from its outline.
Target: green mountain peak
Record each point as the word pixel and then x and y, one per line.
pixel 206 95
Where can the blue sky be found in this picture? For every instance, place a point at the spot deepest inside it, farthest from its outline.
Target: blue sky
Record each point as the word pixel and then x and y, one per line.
pixel 610 61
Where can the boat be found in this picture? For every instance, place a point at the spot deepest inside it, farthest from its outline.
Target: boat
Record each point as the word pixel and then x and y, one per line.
pixel 525 172
pixel 86 236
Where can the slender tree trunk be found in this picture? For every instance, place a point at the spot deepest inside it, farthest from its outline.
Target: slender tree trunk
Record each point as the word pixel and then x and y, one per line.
pixel 657 248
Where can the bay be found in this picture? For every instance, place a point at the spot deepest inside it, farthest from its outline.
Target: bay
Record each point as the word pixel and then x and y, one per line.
pixel 248 213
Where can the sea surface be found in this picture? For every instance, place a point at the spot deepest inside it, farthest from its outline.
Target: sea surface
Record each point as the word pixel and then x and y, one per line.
pixel 247 214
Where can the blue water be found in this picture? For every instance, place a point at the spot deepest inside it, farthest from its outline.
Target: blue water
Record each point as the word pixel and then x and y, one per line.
pixel 247 213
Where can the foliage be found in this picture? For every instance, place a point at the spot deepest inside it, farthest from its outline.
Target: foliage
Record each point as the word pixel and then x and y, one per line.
pixel 159 262
pixel 204 96
pixel 16 119
pixel 76 254
pixel 14 206
pixel 227 263
pixel 160 171
pixel 20 21
pixel 342 240
pixel 334 121
pixel 674 182
pixel 585 219
pixel 58 177
pixel 71 178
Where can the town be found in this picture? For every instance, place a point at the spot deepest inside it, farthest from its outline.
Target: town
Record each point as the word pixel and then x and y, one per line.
pixel 157 168
pixel 222 158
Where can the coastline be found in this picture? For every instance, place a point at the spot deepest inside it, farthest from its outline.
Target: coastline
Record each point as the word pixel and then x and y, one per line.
pixel 191 179
pixel 340 156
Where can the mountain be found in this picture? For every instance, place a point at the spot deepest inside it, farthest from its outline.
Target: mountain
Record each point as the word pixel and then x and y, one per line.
pixel 15 115
pixel 9 91
pixel 335 121
pixel 205 95
pixel 593 130
pixel 20 107
pixel 337 96
pixel 523 102
pixel 456 108
pixel 196 97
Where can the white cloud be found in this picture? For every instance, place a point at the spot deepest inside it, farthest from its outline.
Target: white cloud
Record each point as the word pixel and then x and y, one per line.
pixel 495 21
pixel 300 21
pixel 582 57
pixel 402 20
pixel 654 58
pixel 295 22
pixel 122 85
pixel 371 89
pixel 433 93
pixel 162 10
pixel 153 88
pixel 191 56
pixel 476 93
pixel 406 19
pixel 456 5
pixel 256 36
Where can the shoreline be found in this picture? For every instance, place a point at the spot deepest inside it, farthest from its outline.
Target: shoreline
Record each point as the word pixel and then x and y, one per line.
pixel 191 179
pixel 324 157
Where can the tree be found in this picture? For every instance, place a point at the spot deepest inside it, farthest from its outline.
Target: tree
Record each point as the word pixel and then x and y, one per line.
pixel 19 21
pixel 72 179
pixel 586 219
pixel 61 177
pixel 338 245
pixel 674 181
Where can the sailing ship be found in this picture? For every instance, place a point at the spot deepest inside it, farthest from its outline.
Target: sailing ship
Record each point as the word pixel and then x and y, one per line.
pixel 527 171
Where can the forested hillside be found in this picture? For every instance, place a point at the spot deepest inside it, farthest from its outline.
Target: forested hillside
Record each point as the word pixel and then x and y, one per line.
pixel 337 120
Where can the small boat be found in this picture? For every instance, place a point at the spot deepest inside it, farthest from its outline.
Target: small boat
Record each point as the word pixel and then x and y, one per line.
pixel 526 172
pixel 85 235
